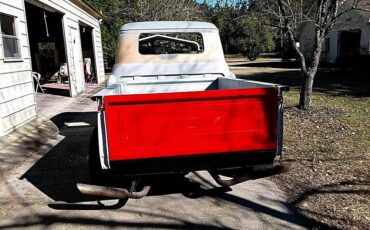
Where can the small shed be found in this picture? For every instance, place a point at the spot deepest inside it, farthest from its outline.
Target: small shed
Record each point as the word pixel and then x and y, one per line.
pixel 349 37
pixel 46 37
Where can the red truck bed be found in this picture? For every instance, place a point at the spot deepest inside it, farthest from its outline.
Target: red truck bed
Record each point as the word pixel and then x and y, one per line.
pixel 182 124
pixel 178 108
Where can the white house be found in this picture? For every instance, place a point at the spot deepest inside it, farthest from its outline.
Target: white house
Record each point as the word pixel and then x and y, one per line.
pixel 40 36
pixel 350 36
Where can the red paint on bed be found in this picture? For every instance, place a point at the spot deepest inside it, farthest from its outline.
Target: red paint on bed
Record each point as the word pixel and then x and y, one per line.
pixel 191 123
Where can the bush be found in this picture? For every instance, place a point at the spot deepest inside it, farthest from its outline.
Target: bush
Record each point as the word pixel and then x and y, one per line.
pixel 251 38
pixel 239 33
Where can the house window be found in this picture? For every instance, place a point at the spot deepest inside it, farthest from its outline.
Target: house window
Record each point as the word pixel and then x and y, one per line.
pixel 9 37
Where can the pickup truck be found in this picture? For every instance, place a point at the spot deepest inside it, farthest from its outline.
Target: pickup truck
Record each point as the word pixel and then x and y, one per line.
pixel 172 105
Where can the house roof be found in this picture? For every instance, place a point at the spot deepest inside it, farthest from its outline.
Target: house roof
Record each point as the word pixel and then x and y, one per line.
pixel 86 6
pixel 165 25
pixel 364 8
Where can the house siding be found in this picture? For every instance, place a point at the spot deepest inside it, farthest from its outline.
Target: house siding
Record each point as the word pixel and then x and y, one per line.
pixel 17 99
pixel 333 49
pixel 306 39
pixel 17 96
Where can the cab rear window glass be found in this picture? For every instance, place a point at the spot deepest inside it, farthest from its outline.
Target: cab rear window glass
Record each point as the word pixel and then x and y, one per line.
pixel 171 43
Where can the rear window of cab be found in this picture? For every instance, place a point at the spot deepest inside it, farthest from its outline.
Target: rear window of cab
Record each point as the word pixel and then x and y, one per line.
pixel 170 43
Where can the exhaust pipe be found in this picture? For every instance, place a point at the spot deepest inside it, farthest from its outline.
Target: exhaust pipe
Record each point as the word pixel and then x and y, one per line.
pixel 254 173
pixel 111 192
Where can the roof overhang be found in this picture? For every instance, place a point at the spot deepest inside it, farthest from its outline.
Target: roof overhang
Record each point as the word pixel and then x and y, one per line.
pixel 83 4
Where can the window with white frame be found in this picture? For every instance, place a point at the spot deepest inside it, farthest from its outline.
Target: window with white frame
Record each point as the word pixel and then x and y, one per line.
pixel 9 37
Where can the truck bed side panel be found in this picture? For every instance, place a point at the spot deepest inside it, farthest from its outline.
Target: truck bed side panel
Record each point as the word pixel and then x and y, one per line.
pixel 191 123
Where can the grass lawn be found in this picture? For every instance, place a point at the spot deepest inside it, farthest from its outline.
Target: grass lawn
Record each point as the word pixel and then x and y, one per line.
pixel 329 145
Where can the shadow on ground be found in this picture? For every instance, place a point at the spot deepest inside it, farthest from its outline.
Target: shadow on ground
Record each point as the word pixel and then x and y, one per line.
pixel 57 172
pixel 269 64
pixel 333 81
pixel 50 220
pixel 55 91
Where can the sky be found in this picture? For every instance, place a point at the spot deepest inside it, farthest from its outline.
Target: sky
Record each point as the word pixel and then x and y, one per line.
pixel 213 2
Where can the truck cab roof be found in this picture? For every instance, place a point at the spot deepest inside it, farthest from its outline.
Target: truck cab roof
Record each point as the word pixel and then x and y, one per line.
pixel 168 50
pixel 168 25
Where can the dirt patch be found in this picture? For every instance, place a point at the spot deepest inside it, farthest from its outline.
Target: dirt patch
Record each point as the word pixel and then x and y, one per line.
pixel 330 178
pixel 329 146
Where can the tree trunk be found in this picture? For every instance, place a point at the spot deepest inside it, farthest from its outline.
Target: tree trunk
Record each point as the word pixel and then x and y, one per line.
pixel 310 73
pixel 306 90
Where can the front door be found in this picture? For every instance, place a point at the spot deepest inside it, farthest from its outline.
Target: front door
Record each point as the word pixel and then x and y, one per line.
pixel 78 79
pixel 349 43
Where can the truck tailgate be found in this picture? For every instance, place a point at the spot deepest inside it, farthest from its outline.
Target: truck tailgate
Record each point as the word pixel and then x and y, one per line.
pixel 159 125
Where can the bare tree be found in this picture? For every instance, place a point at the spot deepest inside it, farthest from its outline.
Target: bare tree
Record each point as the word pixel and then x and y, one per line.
pixel 161 10
pixel 290 15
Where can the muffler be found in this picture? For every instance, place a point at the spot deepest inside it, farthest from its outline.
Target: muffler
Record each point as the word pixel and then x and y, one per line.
pixel 252 173
pixel 111 192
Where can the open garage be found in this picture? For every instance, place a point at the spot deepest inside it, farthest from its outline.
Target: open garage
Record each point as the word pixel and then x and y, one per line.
pixel 46 47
